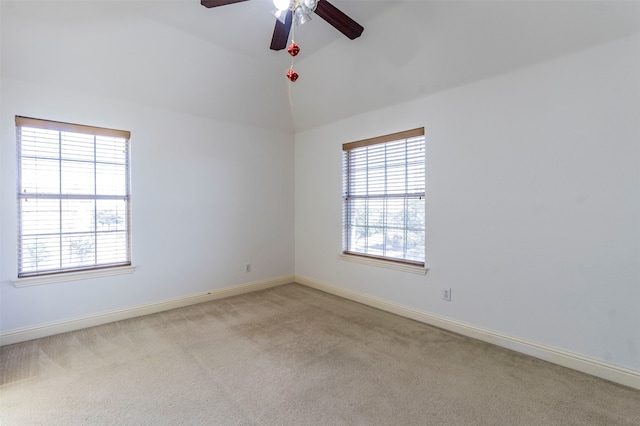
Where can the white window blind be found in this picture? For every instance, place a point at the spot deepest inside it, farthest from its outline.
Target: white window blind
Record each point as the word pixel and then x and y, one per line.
pixel 384 197
pixel 73 197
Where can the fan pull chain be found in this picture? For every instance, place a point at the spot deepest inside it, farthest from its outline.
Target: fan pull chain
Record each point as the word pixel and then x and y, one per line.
pixel 293 43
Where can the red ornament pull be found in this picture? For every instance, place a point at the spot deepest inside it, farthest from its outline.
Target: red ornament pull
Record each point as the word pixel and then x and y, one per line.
pixel 293 49
pixel 292 75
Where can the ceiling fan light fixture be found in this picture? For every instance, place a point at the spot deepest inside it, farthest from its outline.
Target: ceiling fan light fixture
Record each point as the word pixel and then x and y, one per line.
pixel 302 15
pixel 282 5
pixel 281 15
pixel 310 4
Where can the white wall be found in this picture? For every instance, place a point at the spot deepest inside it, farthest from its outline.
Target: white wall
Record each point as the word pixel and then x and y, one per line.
pixel 208 196
pixel 533 204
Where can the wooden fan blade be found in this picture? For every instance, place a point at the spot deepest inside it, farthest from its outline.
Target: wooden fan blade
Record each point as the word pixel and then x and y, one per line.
pixel 216 3
pixel 338 19
pixel 281 32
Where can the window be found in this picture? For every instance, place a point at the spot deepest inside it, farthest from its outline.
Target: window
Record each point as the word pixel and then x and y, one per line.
pixel 384 197
pixel 73 197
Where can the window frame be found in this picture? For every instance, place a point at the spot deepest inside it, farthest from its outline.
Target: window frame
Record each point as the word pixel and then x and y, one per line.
pixel 348 253
pixel 122 264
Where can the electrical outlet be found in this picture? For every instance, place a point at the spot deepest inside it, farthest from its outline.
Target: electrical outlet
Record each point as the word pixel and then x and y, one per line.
pixel 247 267
pixel 446 294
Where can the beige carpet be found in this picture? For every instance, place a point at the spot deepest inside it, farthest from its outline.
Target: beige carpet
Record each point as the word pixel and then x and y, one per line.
pixel 292 356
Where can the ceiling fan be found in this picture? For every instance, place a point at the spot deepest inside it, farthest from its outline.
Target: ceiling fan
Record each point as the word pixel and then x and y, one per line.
pixel 322 8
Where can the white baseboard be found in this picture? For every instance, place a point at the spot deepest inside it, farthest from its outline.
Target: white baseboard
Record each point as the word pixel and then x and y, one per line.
pixel 561 357
pixel 30 333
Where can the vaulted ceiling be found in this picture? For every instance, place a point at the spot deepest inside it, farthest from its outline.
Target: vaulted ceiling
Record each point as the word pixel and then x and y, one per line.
pixel 217 63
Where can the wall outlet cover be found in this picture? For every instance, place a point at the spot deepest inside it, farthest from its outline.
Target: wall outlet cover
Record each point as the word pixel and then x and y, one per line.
pixel 446 294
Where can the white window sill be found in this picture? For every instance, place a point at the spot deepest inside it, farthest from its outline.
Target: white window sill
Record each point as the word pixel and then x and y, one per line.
pixel 420 270
pixel 73 276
